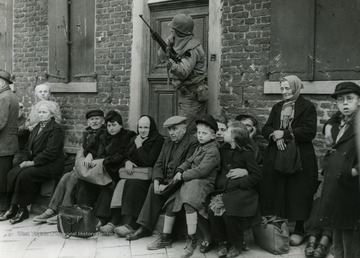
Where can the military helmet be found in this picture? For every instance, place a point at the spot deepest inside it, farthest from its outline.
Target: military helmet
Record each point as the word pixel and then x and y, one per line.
pixel 182 23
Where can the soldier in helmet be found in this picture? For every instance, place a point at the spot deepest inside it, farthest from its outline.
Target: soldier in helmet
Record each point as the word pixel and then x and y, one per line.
pixel 189 73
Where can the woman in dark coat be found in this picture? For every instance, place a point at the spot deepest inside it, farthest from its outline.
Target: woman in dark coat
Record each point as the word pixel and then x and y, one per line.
pixel 290 195
pixel 143 151
pixel 110 146
pixel 45 161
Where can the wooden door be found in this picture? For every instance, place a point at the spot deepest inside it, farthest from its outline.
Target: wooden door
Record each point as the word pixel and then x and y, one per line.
pixel 161 99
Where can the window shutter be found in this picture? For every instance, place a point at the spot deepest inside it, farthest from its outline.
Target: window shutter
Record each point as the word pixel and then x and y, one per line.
pixel 82 34
pixel 292 38
pixel 337 40
pixel 58 41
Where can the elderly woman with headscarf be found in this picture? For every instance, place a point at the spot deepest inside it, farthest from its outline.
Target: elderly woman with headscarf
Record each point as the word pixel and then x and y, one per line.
pixel 290 195
pixel 130 194
pixel 45 160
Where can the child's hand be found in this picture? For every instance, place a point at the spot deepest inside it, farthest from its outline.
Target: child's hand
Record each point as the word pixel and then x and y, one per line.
pixel 177 177
pixel 237 173
pixel 354 172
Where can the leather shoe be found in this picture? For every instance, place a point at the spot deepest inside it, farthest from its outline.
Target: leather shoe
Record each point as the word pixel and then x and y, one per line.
pixel 310 249
pixel 22 214
pixel 10 213
pixel 140 233
pixel 321 251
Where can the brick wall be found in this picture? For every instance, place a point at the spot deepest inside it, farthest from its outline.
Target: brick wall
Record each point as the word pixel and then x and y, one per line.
pixel 245 62
pixel 112 61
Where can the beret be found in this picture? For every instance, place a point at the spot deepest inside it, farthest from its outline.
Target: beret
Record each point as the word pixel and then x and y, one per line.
pixel 95 112
pixel 174 120
pixel 346 87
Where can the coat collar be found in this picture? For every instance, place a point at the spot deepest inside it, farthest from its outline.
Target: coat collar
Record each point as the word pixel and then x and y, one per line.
pixel 300 106
pixel 180 149
pixel 349 133
pixel 35 136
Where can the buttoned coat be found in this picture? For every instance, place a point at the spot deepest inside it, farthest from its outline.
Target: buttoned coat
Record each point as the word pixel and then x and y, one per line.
pixel 186 148
pixel 45 149
pixel 290 195
pixel 199 173
pixel 340 203
pixel 240 195
pixel 9 112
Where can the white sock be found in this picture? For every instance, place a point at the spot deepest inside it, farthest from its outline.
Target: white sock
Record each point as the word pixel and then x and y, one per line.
pixel 168 224
pixel 191 221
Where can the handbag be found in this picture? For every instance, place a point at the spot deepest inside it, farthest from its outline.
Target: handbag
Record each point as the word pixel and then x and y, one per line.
pixel 95 175
pixel 171 188
pixel 272 235
pixel 142 173
pixel 288 161
pixel 77 221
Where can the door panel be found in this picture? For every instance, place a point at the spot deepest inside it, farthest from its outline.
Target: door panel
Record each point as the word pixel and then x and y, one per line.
pixel 162 98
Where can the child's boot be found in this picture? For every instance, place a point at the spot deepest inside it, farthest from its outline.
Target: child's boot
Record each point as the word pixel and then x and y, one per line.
pixel 191 243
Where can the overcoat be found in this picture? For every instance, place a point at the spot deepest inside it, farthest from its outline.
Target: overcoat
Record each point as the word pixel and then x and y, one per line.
pixel 340 203
pixel 290 195
pixel 45 149
pixel 199 173
pixel 240 195
pixel 185 148
pixel 9 112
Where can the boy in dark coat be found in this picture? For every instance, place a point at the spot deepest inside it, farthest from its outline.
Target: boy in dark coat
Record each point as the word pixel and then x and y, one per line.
pixel 340 201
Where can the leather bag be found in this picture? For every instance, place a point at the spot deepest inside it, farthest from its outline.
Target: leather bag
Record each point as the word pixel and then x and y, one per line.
pixel 272 235
pixel 142 173
pixel 288 161
pixel 171 188
pixel 77 221
pixel 95 175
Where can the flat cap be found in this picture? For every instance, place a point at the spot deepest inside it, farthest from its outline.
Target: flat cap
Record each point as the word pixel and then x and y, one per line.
pixel 208 120
pixel 95 112
pixel 174 120
pixel 346 87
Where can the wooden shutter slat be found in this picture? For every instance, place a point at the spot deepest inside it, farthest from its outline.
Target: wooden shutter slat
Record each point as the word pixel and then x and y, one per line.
pixel 58 41
pixel 292 34
pixel 337 40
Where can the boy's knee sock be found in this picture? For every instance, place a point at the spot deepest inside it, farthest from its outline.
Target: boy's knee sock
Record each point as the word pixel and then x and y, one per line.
pixel 191 221
pixel 168 224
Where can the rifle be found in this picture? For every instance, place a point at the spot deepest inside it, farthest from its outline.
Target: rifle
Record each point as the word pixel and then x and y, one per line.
pixel 172 53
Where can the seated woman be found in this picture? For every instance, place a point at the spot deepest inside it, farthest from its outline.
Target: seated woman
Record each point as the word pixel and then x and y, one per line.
pixel 42 92
pixel 45 161
pixel 130 194
pixel 110 146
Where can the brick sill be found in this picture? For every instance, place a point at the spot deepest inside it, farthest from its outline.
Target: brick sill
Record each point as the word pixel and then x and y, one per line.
pixel 314 87
pixel 73 87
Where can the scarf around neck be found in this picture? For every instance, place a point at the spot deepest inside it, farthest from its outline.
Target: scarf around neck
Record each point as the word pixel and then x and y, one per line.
pixel 288 108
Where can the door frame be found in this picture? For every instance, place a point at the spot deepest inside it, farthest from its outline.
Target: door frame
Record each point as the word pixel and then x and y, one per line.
pixel 140 52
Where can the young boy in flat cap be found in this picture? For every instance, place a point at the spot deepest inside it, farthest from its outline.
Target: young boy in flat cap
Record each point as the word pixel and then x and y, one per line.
pixel 198 174
pixel 63 194
pixel 339 205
